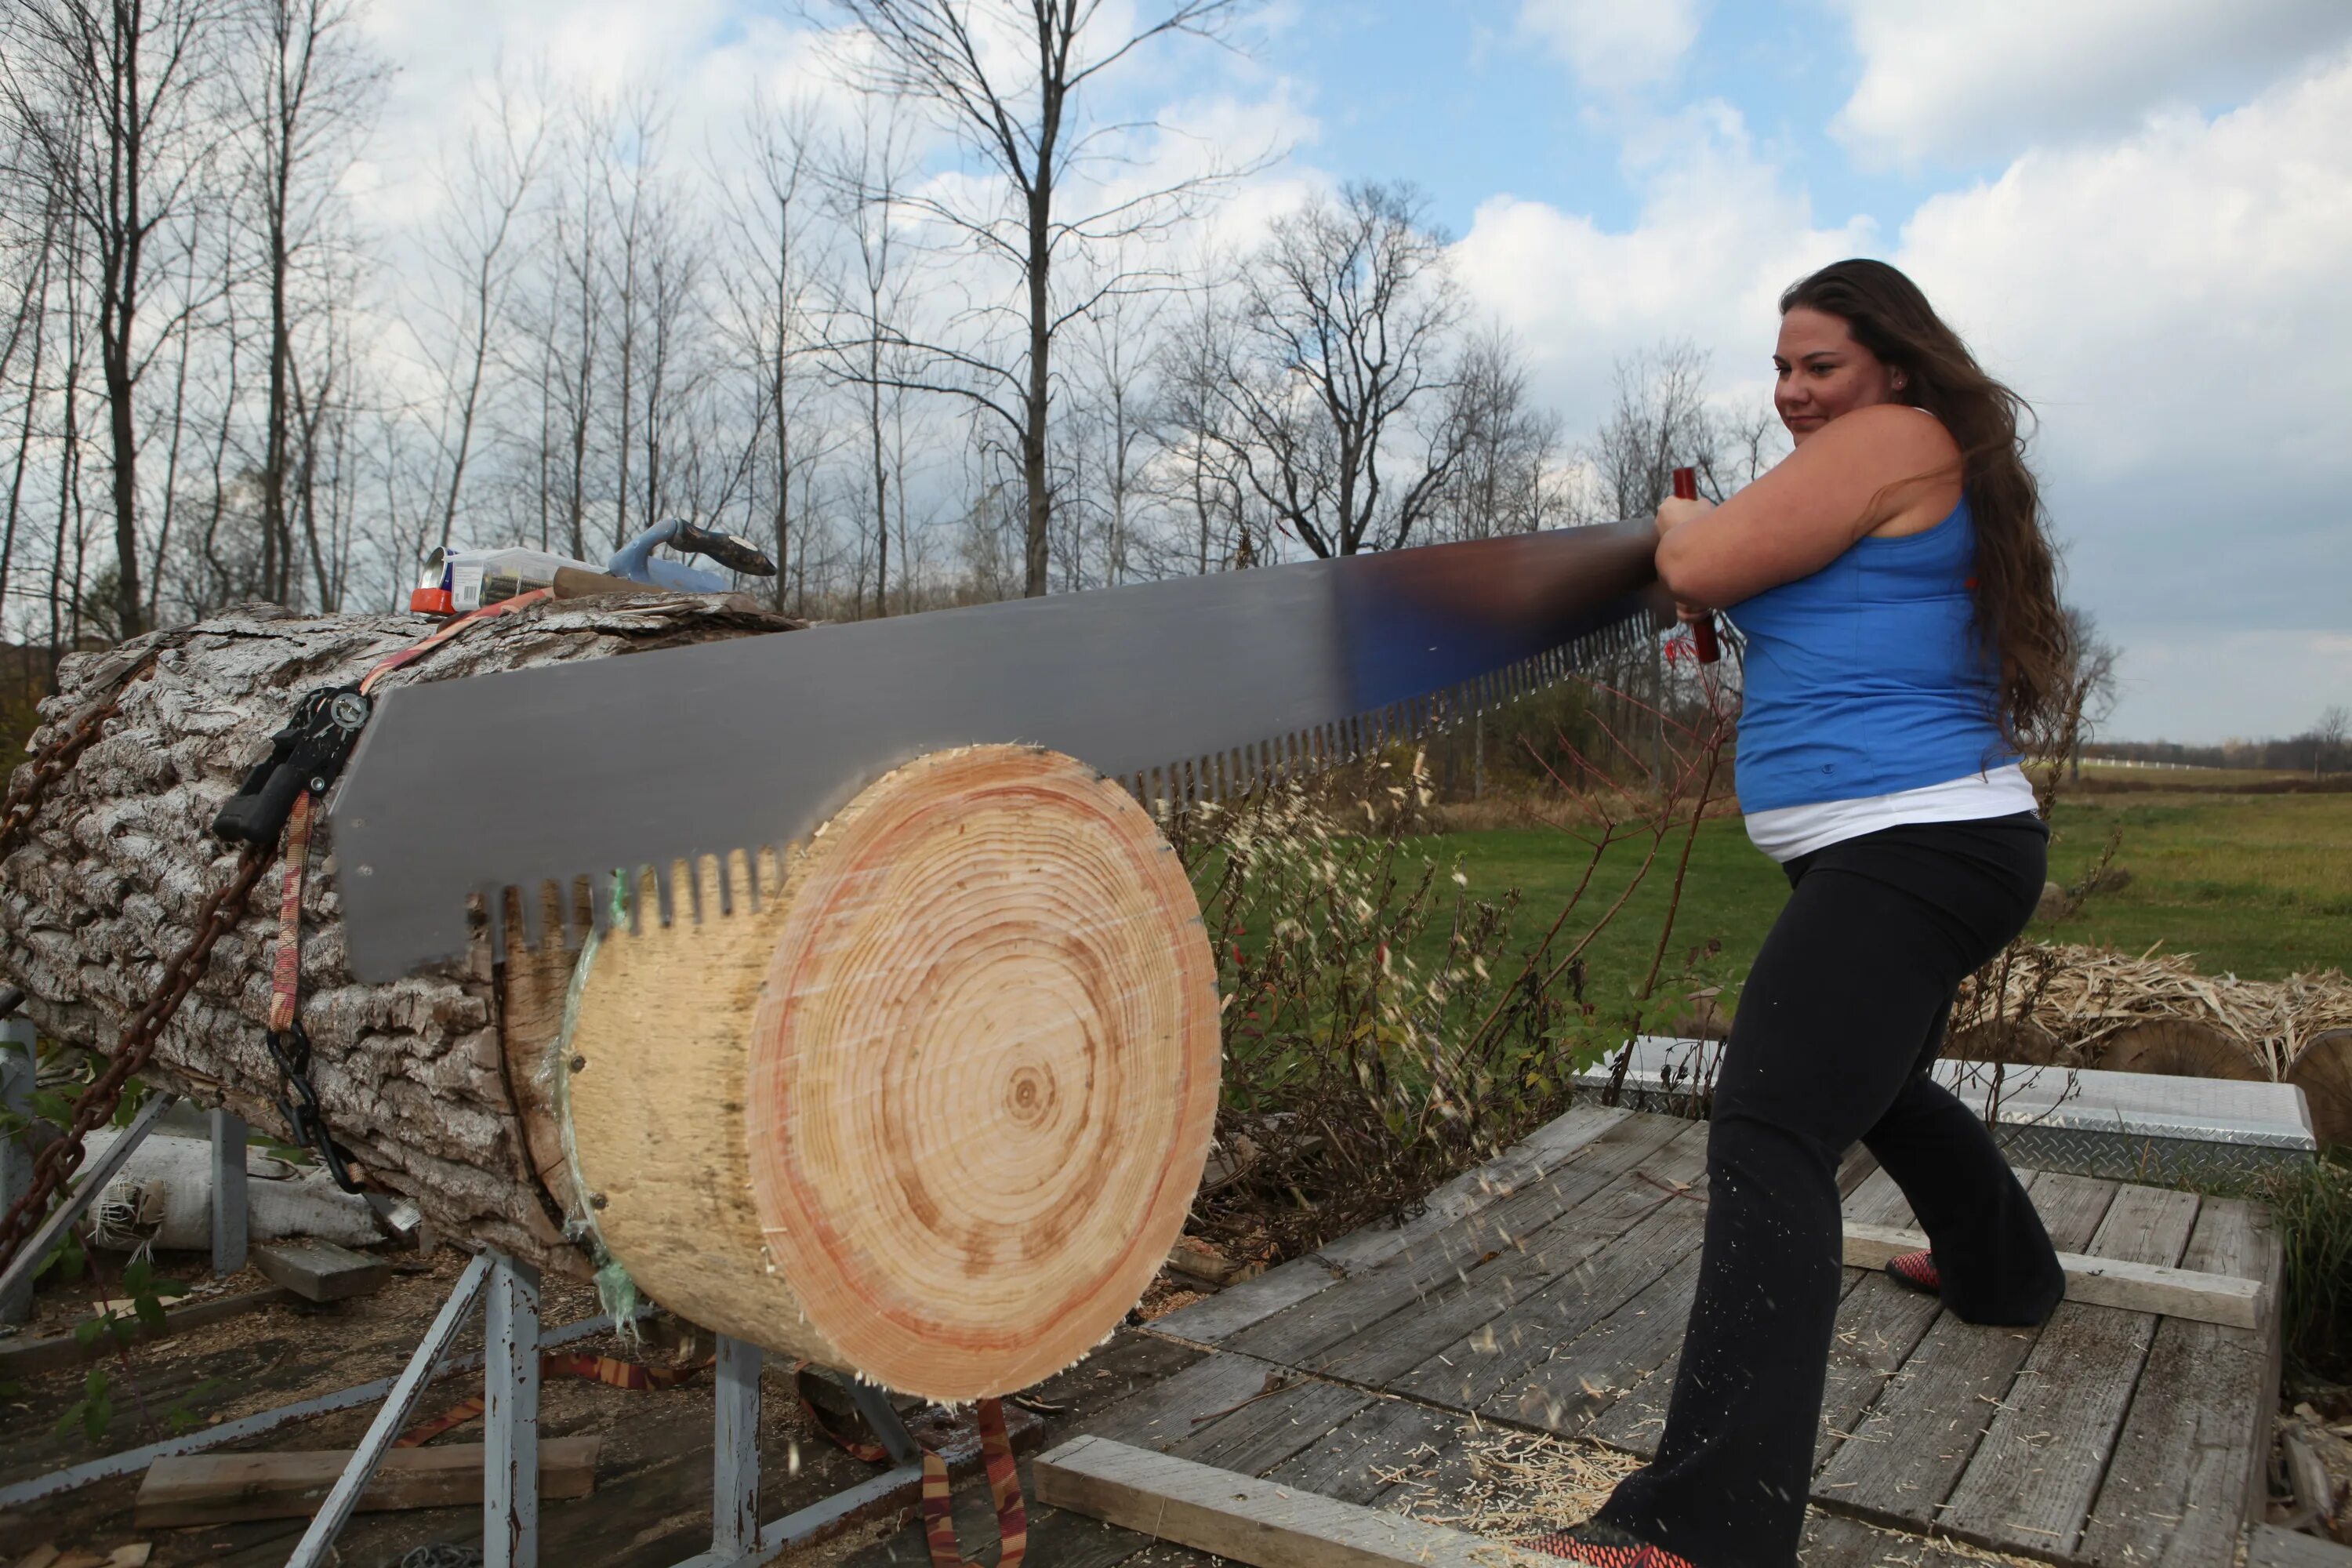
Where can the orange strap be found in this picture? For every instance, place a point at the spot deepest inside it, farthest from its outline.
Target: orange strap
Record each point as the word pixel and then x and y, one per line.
pixel 411 655
pixel 1004 1488
pixel 938 1506
pixel 286 965
pixel 555 1364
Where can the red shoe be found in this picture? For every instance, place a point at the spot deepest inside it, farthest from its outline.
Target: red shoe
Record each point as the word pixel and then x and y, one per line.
pixel 1917 1270
pixel 1603 1546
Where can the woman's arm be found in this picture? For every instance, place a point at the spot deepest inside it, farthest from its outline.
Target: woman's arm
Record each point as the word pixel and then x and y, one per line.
pixel 1858 474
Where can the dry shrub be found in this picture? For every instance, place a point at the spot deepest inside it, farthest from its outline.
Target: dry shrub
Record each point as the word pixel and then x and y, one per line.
pixel 1385 1028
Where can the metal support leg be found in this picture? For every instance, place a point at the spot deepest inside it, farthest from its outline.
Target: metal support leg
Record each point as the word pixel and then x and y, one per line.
pixel 94 1176
pixel 511 1411
pixel 329 1521
pixel 882 1420
pixel 735 1452
pixel 16 1069
pixel 228 1191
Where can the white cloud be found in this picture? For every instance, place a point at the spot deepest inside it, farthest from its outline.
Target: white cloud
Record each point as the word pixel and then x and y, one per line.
pixel 1991 78
pixel 1720 233
pixel 2174 304
pixel 1612 44
pixel 2171 301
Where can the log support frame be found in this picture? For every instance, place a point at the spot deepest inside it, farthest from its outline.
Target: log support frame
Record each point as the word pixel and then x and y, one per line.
pixel 511 1439
pixel 228 1196
pixel 16 1069
pixel 16 1281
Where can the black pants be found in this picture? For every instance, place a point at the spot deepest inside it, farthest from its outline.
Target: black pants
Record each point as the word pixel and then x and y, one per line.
pixel 1842 1016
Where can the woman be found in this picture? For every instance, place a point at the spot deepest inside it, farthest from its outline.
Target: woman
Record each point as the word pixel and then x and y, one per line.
pixel 1898 597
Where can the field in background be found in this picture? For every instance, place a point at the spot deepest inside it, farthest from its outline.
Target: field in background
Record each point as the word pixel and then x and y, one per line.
pixel 2260 886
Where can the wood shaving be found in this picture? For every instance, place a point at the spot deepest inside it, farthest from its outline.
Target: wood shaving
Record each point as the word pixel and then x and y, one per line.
pixel 2084 994
pixel 1511 1486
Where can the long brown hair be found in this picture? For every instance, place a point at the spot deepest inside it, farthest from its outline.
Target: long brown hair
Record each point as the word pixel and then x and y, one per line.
pixel 2018 621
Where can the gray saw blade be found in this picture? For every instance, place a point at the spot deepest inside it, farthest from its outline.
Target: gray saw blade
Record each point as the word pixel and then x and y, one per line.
pixel 1184 690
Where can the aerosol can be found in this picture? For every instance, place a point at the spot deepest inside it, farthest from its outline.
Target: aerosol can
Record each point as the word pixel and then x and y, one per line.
pixel 457 582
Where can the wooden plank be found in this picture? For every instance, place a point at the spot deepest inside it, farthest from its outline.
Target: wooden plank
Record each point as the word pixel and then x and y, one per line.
pixel 1296 1334
pixel 2271 1547
pixel 220 1488
pixel 1166 1412
pixel 1607 1260
pixel 1265 1432
pixel 1360 1461
pixel 2196 1438
pixel 1901 1460
pixel 1250 1520
pixel 1221 1316
pixel 1590 1374
pixel 1635 1349
pixel 319 1270
pixel 2030 1482
pixel 1832 1541
pixel 65 1350
pixel 2199 1295
pixel 1879 1324
pixel 1877 1200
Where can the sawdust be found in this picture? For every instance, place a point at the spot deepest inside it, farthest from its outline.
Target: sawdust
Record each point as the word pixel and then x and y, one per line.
pixel 1164 1295
pixel 2084 994
pixel 1511 1486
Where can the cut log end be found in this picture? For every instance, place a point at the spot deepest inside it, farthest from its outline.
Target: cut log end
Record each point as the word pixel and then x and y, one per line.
pixel 2323 1071
pixel 936 1112
pixel 2178 1048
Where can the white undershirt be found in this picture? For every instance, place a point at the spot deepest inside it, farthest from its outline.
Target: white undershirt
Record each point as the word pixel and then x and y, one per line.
pixel 1789 831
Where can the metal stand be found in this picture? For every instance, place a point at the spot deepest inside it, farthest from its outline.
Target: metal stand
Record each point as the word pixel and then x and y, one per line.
pixel 16 1069
pixel 18 1282
pixel 511 1441
pixel 228 1191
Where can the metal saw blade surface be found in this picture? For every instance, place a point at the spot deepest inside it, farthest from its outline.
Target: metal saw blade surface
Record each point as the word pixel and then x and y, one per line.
pixel 1182 688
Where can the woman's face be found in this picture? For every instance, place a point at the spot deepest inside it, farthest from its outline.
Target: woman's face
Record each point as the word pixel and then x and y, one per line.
pixel 1823 372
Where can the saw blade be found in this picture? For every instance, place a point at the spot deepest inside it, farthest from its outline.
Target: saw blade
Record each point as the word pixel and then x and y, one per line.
pixel 1185 690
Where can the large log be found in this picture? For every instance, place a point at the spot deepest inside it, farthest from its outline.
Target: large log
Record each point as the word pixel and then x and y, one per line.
pixel 413 1076
pixel 936 1110
pixel 926 1098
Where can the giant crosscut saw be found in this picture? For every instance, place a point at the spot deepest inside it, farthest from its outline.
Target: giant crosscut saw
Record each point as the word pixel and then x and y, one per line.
pixel 1185 690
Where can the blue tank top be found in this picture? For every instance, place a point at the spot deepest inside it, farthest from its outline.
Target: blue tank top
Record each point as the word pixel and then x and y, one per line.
pixel 1864 678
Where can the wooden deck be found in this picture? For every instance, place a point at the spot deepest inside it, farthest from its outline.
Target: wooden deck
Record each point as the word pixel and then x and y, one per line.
pixel 1547 1293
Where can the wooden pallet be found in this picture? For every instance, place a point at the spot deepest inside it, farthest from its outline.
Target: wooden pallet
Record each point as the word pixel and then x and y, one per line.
pixel 1547 1293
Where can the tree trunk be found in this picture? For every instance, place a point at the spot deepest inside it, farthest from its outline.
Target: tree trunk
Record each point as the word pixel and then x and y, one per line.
pixel 413 1076
pixel 929 1099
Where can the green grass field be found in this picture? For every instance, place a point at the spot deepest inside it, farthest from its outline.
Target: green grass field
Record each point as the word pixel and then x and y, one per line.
pixel 2259 885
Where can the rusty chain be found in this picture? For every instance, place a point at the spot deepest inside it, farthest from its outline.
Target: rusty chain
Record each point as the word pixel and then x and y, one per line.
pixel 215 918
pixel 57 759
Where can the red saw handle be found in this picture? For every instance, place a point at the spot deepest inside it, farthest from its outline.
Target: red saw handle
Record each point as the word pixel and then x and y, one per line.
pixel 1703 630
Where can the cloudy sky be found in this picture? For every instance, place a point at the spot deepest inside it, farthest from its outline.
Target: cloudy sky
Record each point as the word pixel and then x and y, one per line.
pixel 2139 212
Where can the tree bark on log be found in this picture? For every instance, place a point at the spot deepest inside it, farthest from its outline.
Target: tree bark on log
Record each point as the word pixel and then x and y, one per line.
pixel 415 1077
pixel 927 1096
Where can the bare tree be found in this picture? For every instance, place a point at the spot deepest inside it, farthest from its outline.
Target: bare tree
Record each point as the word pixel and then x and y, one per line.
pixel 1115 363
pixel 113 103
pixel 2092 685
pixel 1504 479
pixel 475 253
pixel 1007 77
pixel 1339 388
pixel 1660 422
pixel 2327 736
pixel 868 347
pixel 768 289
pixel 313 91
